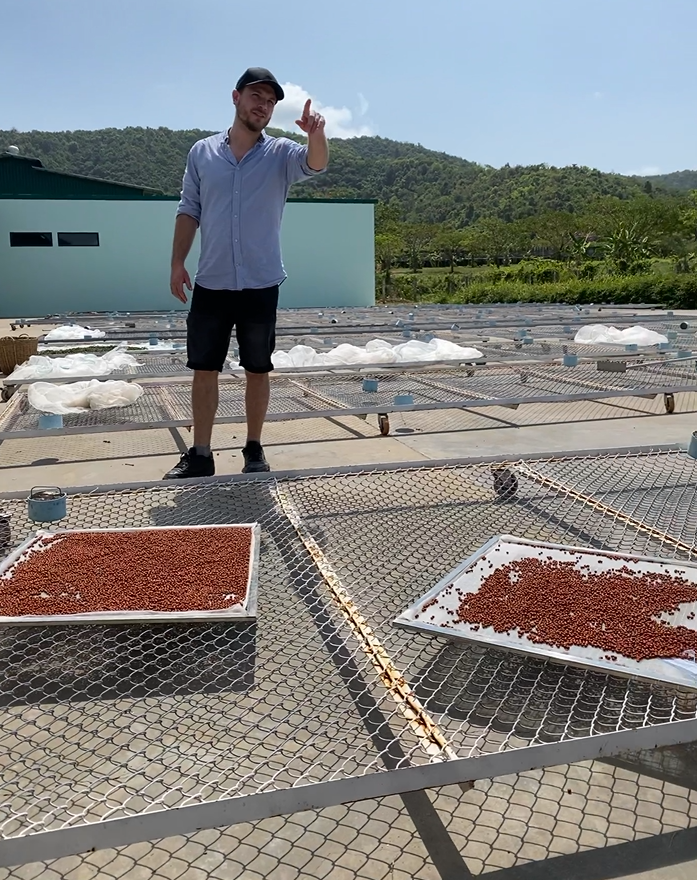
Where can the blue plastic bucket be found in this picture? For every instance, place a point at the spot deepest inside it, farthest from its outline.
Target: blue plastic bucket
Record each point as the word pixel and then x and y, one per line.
pixel 692 448
pixel 570 360
pixel 370 385
pixel 403 400
pixel 46 504
pixel 50 420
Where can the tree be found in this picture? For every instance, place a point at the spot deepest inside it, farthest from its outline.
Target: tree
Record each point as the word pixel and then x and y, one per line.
pixel 496 241
pixel 448 244
pixel 387 217
pixel 417 240
pixel 388 246
pixel 627 247
pixel 557 232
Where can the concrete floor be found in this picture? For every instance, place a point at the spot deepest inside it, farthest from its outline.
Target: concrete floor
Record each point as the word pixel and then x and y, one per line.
pixel 590 821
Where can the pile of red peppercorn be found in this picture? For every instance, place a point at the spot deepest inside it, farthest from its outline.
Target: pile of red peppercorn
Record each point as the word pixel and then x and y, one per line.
pixel 144 570
pixel 565 605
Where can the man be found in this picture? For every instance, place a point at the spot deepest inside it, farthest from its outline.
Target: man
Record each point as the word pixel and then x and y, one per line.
pixel 235 188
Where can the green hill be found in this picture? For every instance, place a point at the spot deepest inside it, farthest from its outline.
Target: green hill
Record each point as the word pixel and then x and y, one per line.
pixel 680 181
pixel 426 186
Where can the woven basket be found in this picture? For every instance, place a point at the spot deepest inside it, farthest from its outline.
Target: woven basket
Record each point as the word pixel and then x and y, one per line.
pixel 15 350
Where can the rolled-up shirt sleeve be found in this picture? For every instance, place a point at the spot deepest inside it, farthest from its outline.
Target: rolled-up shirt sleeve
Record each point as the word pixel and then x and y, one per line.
pixel 190 202
pixel 298 169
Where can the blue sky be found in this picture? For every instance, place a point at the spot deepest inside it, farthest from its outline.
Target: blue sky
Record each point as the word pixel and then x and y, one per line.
pixel 605 83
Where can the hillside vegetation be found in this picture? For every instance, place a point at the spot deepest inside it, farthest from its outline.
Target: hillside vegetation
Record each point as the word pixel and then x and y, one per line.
pixel 447 228
pixel 426 186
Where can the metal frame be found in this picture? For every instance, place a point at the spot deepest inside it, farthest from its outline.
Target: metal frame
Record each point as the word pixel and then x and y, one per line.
pixel 415 312
pixel 648 670
pixel 413 325
pixel 246 614
pixel 225 812
pixel 167 405
pixel 319 520
pixel 163 366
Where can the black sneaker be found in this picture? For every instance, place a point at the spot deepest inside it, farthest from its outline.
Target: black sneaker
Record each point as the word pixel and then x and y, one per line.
pixel 254 460
pixel 191 466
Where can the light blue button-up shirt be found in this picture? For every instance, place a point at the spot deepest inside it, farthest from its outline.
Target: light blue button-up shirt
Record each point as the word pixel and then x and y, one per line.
pixel 239 207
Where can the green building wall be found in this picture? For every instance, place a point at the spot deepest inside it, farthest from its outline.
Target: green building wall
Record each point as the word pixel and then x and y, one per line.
pixel 328 250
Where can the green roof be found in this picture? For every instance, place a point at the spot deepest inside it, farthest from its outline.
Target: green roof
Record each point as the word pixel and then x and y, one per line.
pixel 25 177
pixel 22 177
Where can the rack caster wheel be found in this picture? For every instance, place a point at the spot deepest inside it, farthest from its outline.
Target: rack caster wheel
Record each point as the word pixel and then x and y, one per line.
pixel 384 424
pixel 669 402
pixel 505 483
pixel 6 394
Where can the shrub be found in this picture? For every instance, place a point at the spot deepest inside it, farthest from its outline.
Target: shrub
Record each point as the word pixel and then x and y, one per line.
pixel 676 291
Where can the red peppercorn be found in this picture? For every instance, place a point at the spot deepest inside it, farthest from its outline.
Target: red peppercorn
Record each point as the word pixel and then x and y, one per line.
pixel 556 603
pixel 149 570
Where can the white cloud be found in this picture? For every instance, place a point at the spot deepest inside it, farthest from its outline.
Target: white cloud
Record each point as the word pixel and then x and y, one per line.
pixel 598 95
pixel 340 121
pixel 363 103
pixel 646 171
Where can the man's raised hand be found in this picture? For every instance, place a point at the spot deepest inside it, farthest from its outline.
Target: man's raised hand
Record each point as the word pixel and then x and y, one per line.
pixel 310 122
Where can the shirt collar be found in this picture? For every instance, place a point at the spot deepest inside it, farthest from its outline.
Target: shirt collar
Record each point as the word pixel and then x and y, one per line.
pixel 226 137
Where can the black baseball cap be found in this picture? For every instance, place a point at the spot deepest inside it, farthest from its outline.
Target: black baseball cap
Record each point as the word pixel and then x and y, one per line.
pixel 260 75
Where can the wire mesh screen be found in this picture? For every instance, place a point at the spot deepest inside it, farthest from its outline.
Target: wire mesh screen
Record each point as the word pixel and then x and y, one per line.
pixel 168 404
pixel 109 722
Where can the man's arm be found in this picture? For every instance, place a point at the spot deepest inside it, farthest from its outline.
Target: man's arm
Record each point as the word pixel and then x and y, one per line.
pixel 184 233
pixel 312 124
pixel 185 226
pixel 317 151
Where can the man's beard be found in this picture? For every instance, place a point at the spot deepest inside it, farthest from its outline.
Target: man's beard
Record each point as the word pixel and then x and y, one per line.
pixel 251 123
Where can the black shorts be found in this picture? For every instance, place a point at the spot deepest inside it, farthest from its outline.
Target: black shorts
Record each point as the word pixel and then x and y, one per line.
pixel 214 314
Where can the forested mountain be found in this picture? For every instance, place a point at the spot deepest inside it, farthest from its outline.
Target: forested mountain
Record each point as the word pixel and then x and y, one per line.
pixel 676 181
pixel 426 186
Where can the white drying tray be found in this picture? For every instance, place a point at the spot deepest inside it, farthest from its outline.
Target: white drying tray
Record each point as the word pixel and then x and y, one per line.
pixel 244 611
pixel 469 576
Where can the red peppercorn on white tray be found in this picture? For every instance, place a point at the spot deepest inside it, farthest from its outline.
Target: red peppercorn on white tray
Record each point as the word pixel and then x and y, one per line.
pixel 627 615
pixel 163 573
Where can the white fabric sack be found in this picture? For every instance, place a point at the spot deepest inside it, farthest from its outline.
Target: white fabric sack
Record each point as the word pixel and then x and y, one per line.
pixel 601 334
pixel 43 367
pixel 160 345
pixel 69 332
pixel 77 397
pixel 377 351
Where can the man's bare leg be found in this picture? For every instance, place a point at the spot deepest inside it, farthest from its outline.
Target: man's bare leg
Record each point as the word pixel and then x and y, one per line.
pixel 256 402
pixel 204 403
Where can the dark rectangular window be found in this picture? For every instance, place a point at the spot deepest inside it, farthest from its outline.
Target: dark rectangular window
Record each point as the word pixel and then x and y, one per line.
pixel 78 239
pixel 31 239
